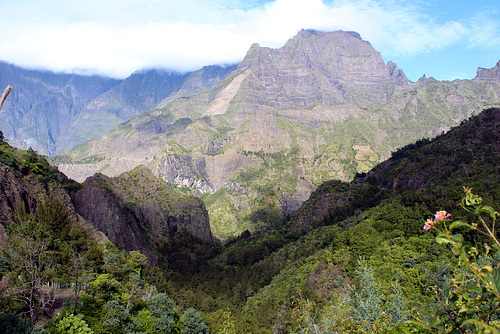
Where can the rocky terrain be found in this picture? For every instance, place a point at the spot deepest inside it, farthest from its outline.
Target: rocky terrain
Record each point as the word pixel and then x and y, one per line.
pixel 323 106
pixel 135 210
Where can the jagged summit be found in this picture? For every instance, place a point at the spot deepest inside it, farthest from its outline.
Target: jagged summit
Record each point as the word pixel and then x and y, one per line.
pixel 323 67
pixel 489 73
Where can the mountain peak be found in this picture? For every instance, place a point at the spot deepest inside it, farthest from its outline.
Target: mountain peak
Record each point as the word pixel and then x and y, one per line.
pixel 327 67
pixel 304 33
pixel 489 73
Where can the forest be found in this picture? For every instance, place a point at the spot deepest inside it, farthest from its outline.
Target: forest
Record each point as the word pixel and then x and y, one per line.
pixel 410 247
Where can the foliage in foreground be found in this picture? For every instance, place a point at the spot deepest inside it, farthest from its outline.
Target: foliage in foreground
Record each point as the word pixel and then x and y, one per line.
pixel 471 303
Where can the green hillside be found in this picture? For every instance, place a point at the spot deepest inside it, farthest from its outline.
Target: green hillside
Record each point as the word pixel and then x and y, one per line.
pixel 354 258
pixel 314 271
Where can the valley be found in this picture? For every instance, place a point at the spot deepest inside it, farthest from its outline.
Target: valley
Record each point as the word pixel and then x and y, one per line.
pixel 311 188
pixel 281 123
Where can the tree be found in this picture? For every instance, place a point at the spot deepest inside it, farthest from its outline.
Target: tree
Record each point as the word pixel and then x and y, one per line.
pixel 31 262
pixel 78 271
pixel 73 324
pixel 105 287
pixel 79 243
pixel 367 301
pixel 164 314
pixel 116 317
pixel 193 322
pixel 54 216
pixel 13 324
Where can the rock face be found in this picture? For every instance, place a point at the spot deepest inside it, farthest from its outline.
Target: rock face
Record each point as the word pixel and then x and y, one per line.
pixel 315 67
pixel 13 193
pixel 137 211
pixel 324 106
pixel 184 171
pixel 489 73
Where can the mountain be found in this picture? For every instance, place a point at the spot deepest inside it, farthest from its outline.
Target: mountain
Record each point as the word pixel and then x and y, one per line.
pixel 54 112
pixel 134 211
pixel 138 211
pixel 42 104
pixel 324 106
pixel 313 260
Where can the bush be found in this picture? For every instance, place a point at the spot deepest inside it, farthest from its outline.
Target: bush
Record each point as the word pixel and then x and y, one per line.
pixel 13 324
pixel 193 323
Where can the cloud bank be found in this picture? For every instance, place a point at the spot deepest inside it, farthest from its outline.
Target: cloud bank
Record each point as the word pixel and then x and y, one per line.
pixel 116 38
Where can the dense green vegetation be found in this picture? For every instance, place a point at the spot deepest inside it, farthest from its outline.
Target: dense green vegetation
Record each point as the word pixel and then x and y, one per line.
pixel 354 259
pixel 110 291
pixel 378 219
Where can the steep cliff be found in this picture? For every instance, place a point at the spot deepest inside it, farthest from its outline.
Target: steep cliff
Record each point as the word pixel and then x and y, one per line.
pixel 327 68
pixel 138 211
pixel 135 211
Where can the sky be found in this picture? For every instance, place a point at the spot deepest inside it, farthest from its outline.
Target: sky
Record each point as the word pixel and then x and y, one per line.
pixel 444 39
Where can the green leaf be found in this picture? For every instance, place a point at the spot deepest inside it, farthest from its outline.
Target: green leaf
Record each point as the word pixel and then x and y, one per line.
pixel 459 223
pixel 401 329
pixel 440 239
pixel 489 210
pixel 496 277
pixel 458 238
pixel 437 321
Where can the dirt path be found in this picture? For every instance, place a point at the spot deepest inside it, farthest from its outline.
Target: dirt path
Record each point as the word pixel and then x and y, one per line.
pixel 62 298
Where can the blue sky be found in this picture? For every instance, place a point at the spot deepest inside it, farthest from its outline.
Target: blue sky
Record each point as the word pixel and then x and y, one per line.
pixel 444 39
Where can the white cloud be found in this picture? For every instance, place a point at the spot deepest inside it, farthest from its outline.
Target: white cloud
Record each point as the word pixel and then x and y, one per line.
pixel 484 31
pixel 118 37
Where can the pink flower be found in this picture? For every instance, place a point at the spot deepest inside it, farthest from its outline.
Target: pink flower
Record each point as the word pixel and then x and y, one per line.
pixel 440 215
pixel 429 224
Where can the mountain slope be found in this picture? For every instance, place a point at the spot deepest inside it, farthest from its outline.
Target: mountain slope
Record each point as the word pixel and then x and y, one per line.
pixel 376 218
pixel 135 211
pixel 466 156
pixel 54 112
pixel 323 106
pixel 42 104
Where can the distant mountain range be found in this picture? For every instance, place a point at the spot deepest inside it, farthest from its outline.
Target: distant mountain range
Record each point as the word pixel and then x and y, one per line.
pixel 53 113
pixel 255 139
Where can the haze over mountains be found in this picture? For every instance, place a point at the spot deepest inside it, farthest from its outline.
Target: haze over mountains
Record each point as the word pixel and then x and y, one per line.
pixel 256 139
pixel 53 113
